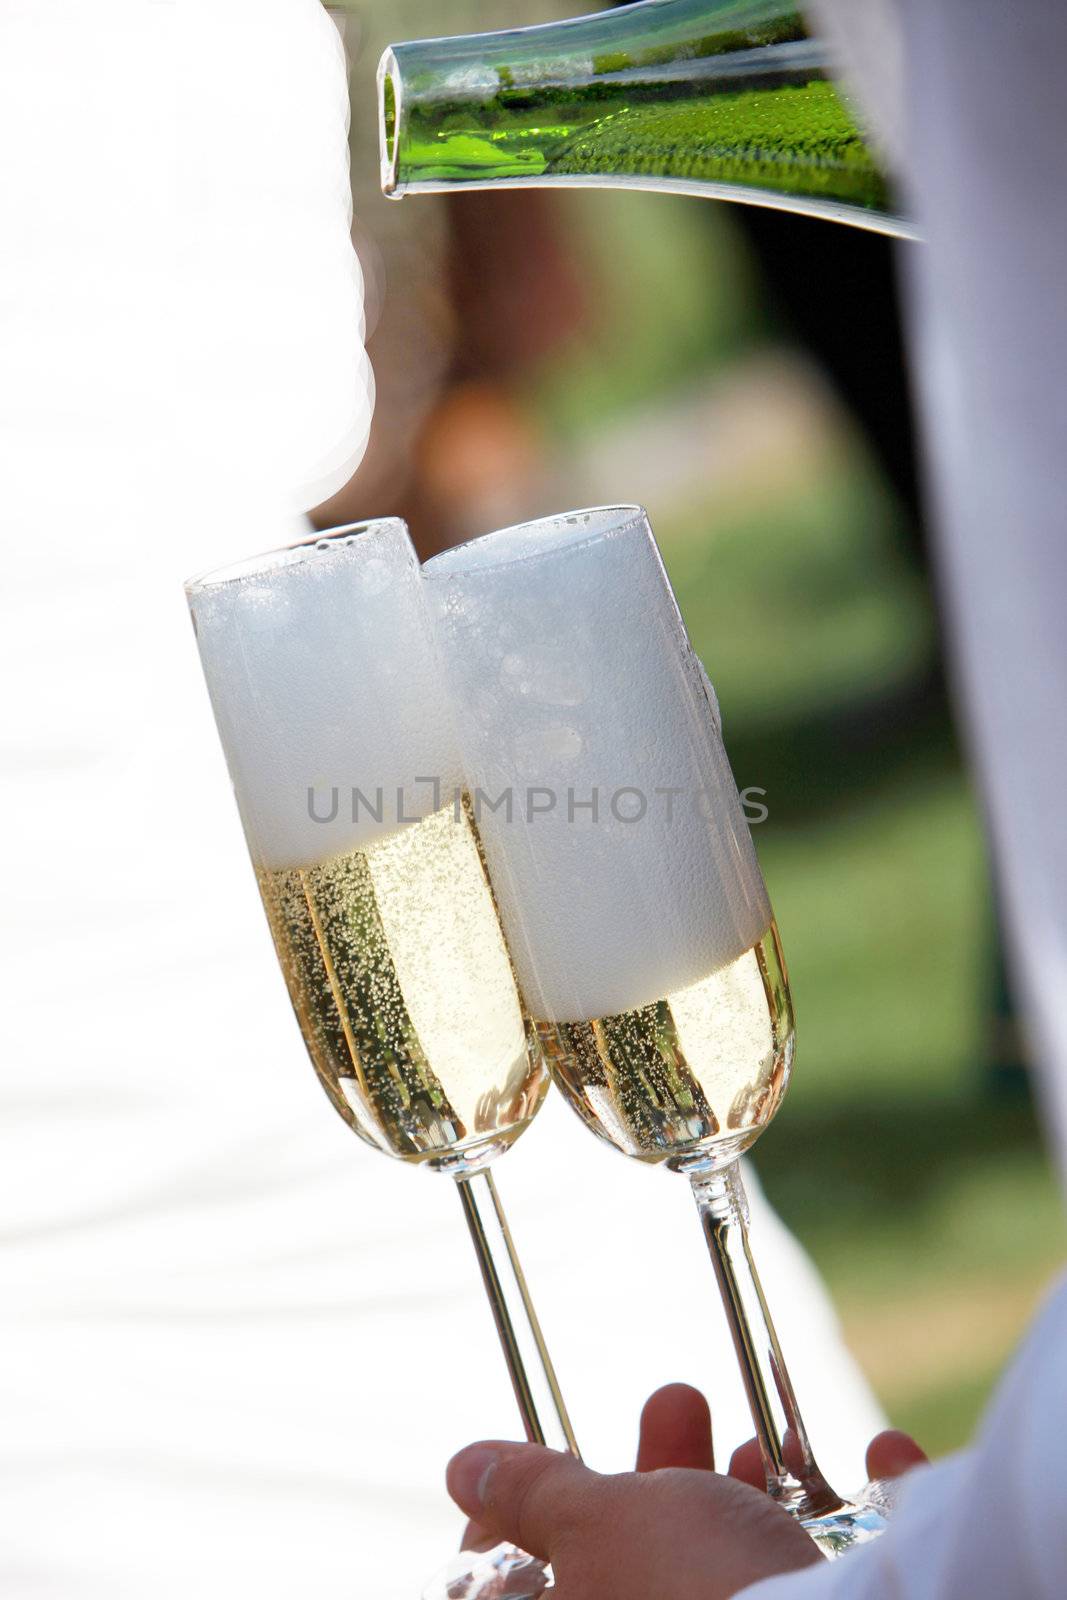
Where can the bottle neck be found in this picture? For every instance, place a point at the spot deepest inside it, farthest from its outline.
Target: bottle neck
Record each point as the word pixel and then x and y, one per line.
pixel 665 94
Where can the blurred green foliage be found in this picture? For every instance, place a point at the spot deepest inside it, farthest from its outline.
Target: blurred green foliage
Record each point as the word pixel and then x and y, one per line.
pixel 674 298
pixel 803 609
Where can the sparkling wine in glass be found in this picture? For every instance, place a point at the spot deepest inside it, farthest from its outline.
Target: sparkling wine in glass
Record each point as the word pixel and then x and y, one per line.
pixel 326 687
pixel 643 938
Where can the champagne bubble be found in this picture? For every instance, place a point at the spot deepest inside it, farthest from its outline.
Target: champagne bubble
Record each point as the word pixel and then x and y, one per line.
pixel 374 577
pixel 545 679
pixel 537 751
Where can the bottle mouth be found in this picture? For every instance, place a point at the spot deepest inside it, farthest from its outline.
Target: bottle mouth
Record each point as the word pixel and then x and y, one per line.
pixel 389 103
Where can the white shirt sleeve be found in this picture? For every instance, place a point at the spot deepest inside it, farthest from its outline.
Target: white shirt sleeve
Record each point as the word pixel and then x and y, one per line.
pixel 989 1522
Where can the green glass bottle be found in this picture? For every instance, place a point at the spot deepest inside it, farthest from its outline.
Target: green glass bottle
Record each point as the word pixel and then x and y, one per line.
pixel 726 98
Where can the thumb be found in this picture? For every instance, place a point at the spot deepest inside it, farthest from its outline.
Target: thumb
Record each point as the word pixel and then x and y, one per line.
pixel 522 1492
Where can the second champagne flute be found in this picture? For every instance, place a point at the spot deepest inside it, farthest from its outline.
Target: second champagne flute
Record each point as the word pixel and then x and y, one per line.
pixel 636 912
pixel 325 683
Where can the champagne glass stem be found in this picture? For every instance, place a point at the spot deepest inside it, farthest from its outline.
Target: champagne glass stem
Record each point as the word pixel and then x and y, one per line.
pixel 540 1402
pixel 793 1477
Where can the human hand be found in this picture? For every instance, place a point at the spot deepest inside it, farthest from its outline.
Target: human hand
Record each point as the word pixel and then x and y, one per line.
pixel 674 1526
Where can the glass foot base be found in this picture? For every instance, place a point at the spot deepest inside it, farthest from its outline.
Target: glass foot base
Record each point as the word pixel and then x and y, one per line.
pixel 856 1522
pixel 503 1573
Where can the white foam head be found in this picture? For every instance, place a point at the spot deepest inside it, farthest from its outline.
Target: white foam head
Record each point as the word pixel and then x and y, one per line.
pixel 325 679
pixel 572 674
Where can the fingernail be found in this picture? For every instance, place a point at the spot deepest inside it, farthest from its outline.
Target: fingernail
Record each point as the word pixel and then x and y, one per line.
pixel 468 1476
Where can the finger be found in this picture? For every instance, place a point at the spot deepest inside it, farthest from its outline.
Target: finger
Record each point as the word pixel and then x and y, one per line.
pixel 675 1430
pixel 746 1464
pixel 892 1454
pixel 521 1492
pixel 476 1538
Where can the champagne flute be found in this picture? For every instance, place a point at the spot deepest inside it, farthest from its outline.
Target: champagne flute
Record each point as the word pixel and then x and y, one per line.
pixel 326 688
pixel 629 891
